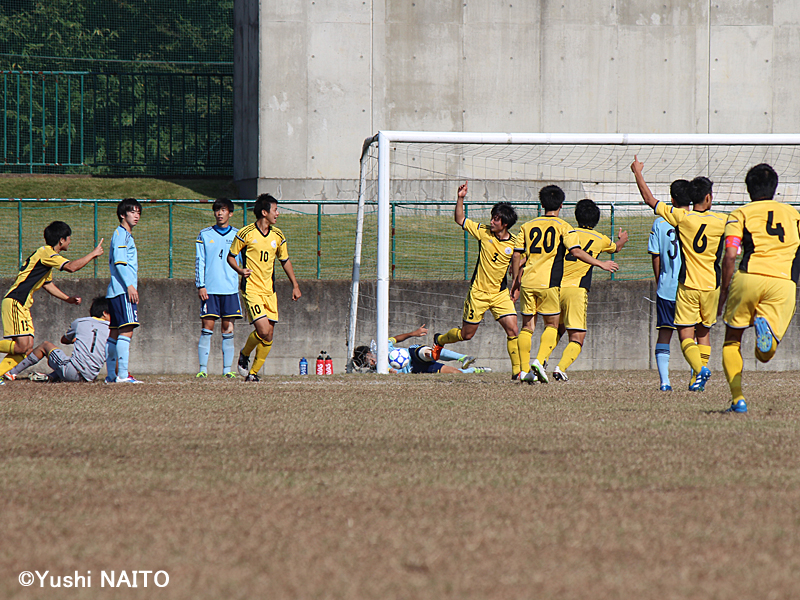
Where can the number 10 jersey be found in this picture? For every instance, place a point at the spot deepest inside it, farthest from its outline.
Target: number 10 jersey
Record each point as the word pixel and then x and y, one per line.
pixel 259 251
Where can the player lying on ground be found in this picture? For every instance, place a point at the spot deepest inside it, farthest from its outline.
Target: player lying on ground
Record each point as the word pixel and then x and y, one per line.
pixel 419 358
pixel 88 335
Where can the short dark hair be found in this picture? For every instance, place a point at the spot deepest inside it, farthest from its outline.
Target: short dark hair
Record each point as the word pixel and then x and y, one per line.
pixel 55 232
pixel 99 306
pixel 761 182
pixel 506 213
pixel 699 188
pixel 360 356
pixel 679 192
pixel 128 205
pixel 264 202
pixel 587 213
pixel 551 197
pixel 222 203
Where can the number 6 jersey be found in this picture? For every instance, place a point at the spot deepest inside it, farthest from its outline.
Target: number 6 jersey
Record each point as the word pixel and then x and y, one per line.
pixel 259 251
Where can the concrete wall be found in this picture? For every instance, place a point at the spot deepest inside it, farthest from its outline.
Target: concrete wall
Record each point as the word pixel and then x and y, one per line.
pixel 314 78
pixel 621 326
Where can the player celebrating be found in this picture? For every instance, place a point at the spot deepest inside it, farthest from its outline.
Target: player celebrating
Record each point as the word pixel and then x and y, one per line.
pixel 700 236
pixel 544 243
pixel 260 243
pixel 577 279
pixel 88 334
pixel 217 287
pixel 762 292
pixel 664 247
pixel 122 293
pixel 37 272
pixel 489 288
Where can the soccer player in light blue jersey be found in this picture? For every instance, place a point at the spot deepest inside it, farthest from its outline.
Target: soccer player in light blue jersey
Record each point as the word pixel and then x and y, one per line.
pixel 217 286
pixel 664 248
pixel 122 293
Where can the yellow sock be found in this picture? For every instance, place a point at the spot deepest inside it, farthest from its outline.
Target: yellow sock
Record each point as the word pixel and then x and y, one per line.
pixel 512 344
pixel 547 342
pixel 571 354
pixel 262 351
pixel 9 362
pixel 692 354
pixel 451 337
pixel 250 344
pixel 6 346
pixel 733 364
pixel 705 354
pixel 524 347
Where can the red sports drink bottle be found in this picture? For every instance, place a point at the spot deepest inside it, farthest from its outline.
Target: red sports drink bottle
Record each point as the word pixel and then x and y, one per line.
pixel 328 364
pixel 320 364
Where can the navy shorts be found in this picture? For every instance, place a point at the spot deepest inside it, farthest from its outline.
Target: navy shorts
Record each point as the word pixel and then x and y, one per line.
pixel 665 313
pixel 420 365
pixel 122 312
pixel 226 306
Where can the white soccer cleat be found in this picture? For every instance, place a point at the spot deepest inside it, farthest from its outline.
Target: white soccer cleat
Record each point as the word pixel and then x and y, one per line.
pixel 538 370
pixel 559 375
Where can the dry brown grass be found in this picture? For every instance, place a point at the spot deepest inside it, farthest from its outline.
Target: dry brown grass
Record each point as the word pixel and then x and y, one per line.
pixel 404 487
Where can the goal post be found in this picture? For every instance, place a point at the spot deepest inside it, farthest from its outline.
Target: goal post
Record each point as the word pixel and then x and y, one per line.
pixel 418 172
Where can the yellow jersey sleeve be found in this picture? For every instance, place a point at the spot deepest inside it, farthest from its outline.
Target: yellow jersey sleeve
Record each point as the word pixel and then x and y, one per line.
pixel 473 228
pixel 669 213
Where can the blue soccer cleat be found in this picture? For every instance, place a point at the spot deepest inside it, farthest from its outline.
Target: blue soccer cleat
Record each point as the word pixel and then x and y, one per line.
pixel 699 384
pixel 665 388
pixel 764 338
pixel 737 407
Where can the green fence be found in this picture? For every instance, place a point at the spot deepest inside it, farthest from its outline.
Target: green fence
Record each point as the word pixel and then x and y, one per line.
pixel 426 243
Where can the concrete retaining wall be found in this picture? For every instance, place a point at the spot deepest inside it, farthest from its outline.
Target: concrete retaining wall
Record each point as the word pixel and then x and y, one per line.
pixel 621 326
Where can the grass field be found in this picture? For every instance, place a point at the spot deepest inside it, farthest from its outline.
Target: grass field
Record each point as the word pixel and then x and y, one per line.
pixel 422 487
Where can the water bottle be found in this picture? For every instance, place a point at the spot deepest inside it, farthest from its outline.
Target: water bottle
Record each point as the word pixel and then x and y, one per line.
pixel 321 364
pixel 328 364
pixel 303 366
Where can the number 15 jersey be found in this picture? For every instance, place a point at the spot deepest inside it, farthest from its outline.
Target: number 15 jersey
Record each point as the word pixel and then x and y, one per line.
pixel 259 251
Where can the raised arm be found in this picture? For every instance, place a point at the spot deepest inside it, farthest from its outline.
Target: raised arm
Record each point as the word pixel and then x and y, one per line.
pixel 459 215
pixel 622 239
pixel 79 263
pixel 647 195
pixel 418 332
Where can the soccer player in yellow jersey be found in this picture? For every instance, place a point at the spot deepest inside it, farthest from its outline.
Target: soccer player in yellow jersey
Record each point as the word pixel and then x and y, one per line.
pixel 489 287
pixel 37 272
pixel 544 243
pixel 700 241
pixel 577 279
pixel 260 243
pixel 763 290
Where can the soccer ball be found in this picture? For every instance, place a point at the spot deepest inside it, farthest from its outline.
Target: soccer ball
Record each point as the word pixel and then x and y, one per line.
pixel 399 358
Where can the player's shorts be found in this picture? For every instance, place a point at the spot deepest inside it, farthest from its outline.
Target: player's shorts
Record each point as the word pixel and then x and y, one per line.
pixel 63 369
pixel 260 306
pixel 665 313
pixel 16 319
pixel 477 303
pixel 752 295
pixel 123 312
pixel 226 306
pixel 419 364
pixel 574 301
pixel 696 306
pixel 544 301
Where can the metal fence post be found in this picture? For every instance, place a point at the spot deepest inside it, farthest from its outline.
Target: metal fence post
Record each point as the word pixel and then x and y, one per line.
pixel 170 240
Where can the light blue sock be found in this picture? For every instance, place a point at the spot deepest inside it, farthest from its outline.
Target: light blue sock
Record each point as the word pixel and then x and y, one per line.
pixel 227 352
pixel 662 362
pixel 203 348
pixel 111 358
pixel 123 351
pixel 468 370
pixel 450 355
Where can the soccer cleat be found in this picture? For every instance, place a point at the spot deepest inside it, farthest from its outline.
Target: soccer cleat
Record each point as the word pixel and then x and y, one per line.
pixel 110 380
pixel 699 384
pixel 538 370
pixel 436 351
pixel 230 375
pixel 243 365
pixel 252 377
pixel 128 379
pixel 559 375
pixel 763 335
pixel 528 377
pixel 737 407
pixel 10 376
pixel 665 387
pixel 39 377
pixel 482 370
pixel 201 375
pixel 466 361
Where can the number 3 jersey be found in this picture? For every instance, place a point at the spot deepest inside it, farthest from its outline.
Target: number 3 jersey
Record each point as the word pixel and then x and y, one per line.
pixel 493 258
pixel 212 270
pixel 701 241
pixel 663 242
pixel 545 241
pixel 258 253
pixel 770 240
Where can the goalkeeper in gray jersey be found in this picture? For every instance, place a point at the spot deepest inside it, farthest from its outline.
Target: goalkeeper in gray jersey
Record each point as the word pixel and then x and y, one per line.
pixel 88 336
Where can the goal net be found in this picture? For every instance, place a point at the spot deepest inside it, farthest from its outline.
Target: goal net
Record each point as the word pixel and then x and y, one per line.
pixel 412 263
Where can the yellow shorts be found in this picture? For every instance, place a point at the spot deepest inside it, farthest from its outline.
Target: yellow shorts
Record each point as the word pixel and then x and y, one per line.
pixel 574 301
pixel 477 303
pixel 696 306
pixel 544 301
pixel 752 295
pixel 16 319
pixel 260 306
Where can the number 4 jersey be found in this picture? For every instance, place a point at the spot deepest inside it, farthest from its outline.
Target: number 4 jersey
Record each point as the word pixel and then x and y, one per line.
pixel 258 253
pixel 212 270
pixel 770 240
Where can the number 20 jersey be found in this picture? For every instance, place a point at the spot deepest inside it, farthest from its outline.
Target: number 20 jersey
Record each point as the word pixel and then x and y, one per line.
pixel 258 252
pixel 544 241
